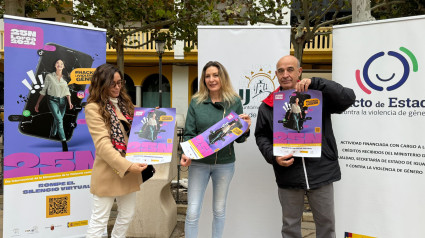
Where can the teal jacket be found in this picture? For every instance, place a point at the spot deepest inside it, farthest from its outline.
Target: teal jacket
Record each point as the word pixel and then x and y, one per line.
pixel 201 116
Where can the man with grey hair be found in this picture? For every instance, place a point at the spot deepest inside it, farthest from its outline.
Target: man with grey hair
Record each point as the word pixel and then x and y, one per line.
pixel 297 176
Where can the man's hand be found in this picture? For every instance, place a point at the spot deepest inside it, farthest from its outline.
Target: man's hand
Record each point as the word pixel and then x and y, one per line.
pixel 247 119
pixel 302 86
pixel 137 167
pixel 185 161
pixel 285 160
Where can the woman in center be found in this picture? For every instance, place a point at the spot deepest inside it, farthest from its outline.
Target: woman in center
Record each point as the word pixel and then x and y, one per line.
pixel 109 113
pixel 214 101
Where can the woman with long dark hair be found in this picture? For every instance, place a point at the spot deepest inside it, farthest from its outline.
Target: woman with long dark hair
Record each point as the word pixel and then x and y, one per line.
pixel 109 112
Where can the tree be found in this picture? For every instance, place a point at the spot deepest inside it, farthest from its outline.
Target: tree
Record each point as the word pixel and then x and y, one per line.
pixel 361 11
pixel 408 8
pixel 309 16
pixel 14 7
pixel 123 18
pixel 26 8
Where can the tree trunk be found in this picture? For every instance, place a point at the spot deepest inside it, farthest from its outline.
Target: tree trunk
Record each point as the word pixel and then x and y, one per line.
pixel 361 11
pixel 15 7
pixel 298 51
pixel 120 54
pixel 298 44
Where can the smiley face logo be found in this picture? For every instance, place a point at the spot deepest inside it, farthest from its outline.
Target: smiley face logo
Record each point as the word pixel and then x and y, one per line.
pixel 398 81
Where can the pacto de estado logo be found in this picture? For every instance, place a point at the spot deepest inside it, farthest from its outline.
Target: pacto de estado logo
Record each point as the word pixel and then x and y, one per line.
pixel 394 79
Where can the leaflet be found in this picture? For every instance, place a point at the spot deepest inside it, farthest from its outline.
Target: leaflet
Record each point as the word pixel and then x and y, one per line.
pixel 297 123
pixel 151 136
pixel 215 138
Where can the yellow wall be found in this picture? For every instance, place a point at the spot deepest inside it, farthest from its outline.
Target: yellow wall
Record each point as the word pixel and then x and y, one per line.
pixel 139 74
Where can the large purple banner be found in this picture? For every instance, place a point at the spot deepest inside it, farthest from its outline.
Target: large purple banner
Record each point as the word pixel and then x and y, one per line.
pixel 48 152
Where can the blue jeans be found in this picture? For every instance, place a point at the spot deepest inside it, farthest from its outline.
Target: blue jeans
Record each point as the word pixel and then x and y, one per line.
pixel 199 176
pixel 57 107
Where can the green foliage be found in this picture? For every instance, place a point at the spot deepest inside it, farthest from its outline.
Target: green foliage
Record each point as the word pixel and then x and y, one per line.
pixel 34 7
pixel 402 9
pixel 2 9
pixel 123 18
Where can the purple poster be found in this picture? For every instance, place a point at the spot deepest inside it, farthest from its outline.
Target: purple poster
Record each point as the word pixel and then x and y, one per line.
pixel 49 152
pixel 297 123
pixel 215 138
pixel 152 135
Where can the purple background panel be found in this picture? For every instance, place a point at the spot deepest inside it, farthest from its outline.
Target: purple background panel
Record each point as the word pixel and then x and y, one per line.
pixel 283 135
pixel 29 155
pixel 160 144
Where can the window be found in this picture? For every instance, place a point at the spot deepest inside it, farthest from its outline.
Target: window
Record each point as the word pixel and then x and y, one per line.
pixel 150 92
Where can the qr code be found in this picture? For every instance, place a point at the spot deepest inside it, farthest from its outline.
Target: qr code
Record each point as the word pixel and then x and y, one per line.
pixel 58 205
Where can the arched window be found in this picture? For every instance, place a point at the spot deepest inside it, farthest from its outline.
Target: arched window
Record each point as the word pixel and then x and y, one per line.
pixel 194 86
pixel 131 89
pixel 150 94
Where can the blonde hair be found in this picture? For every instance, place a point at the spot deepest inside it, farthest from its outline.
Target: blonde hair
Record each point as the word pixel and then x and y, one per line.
pixel 101 80
pixel 228 94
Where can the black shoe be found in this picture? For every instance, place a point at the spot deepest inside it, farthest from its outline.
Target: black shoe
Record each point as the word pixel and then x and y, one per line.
pixel 64 146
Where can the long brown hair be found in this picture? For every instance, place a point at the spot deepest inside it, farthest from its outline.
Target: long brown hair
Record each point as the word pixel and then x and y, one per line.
pixel 101 80
pixel 228 95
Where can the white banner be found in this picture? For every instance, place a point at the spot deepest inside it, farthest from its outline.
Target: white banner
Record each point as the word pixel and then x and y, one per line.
pixel 380 143
pixel 250 55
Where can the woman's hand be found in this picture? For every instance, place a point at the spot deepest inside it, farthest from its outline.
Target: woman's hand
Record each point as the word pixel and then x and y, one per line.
pixel 38 102
pixel 69 102
pixel 185 161
pixel 247 119
pixel 137 167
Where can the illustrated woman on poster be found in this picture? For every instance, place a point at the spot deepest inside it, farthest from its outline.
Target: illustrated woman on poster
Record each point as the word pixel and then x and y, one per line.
pixel 153 126
pixel 296 113
pixel 56 88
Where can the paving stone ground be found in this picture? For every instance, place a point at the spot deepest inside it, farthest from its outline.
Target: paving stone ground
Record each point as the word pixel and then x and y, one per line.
pixel 308 227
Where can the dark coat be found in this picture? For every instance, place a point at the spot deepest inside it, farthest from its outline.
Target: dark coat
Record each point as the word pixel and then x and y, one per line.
pixel 319 171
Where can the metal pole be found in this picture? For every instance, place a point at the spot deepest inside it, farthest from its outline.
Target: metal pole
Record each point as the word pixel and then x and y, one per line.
pixel 179 153
pixel 178 184
pixel 160 80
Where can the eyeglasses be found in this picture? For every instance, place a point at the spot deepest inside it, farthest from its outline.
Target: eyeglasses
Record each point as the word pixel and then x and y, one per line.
pixel 120 83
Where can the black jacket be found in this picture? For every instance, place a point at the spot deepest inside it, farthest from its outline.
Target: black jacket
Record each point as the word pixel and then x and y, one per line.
pixel 319 171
